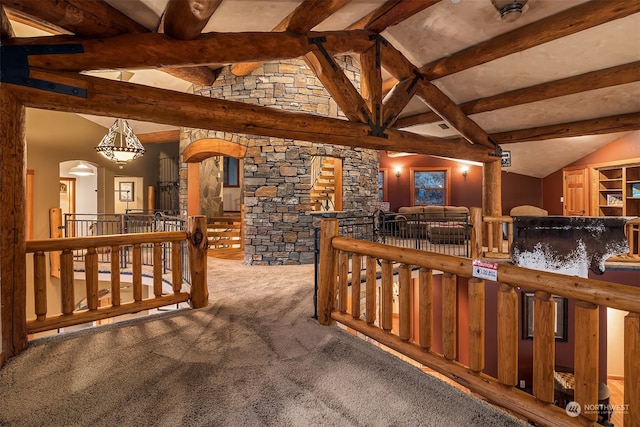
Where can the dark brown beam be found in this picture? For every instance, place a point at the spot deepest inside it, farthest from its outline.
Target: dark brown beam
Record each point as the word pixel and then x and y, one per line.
pixel 6 30
pixel 159 137
pixel 565 23
pixel 401 68
pixel 203 76
pixel 88 18
pixel 397 99
pixel 391 13
pixel 184 21
pixel 212 48
pixel 339 86
pixel 614 76
pixel 622 123
pixel 145 103
pixel 371 84
pixel 307 15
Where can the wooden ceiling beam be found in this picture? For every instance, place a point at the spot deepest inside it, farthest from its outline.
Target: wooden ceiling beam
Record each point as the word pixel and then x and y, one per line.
pixel 145 103
pixel 159 137
pixel 88 18
pixel 6 30
pixel 402 69
pixel 390 13
pixel 185 20
pixel 565 23
pixel 307 15
pixel 212 48
pixel 339 86
pixel 600 126
pixel 371 83
pixel 397 99
pixel 613 76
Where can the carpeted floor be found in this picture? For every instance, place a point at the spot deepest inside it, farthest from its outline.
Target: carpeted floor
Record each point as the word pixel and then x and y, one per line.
pixel 254 357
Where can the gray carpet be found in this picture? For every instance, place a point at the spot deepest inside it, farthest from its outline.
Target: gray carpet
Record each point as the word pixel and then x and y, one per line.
pixel 254 357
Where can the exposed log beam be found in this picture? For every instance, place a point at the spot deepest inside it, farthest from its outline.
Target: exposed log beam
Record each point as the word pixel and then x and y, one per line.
pixel 565 23
pixel 6 30
pixel 203 76
pixel 131 101
pixel 390 13
pixel 402 69
pixel 614 76
pixel 397 99
pixel 185 20
pixel 212 48
pixel 307 15
pixel 600 126
pixel 159 137
pixel 88 18
pixel 371 83
pixel 339 86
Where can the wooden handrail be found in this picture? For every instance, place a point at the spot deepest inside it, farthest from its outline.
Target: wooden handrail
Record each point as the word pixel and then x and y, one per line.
pixel 539 408
pixel 75 243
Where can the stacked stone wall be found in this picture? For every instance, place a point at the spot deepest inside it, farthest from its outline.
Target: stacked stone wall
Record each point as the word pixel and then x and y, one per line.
pixel 278 224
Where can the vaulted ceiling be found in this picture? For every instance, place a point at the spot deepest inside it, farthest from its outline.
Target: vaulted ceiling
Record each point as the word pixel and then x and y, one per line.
pixel 551 87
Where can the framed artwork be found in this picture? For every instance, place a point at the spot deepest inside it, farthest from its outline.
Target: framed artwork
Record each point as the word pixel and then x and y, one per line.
pixel 614 199
pixel 126 191
pixel 635 189
pixel 561 314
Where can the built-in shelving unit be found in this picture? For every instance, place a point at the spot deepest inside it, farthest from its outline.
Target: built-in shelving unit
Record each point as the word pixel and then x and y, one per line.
pixel 618 190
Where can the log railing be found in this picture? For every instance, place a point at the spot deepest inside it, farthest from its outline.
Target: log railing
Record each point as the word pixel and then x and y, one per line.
pixel 335 252
pixel 197 294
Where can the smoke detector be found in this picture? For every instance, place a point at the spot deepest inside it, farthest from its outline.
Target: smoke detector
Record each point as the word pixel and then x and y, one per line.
pixel 510 10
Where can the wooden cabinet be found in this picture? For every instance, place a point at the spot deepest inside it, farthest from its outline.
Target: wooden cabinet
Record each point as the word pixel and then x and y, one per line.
pixel 617 190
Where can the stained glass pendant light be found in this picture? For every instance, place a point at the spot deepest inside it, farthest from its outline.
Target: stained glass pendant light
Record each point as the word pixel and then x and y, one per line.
pixel 128 147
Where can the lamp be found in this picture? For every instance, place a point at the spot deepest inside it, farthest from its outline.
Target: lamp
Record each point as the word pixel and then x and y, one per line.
pixel 398 170
pixel 81 169
pixel 125 151
pixel 465 171
pixel 510 10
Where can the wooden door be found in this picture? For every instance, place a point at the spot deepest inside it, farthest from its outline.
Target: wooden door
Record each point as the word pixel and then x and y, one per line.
pixel 576 192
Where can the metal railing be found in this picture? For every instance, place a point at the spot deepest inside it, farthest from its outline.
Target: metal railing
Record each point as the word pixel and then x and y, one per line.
pixel 86 225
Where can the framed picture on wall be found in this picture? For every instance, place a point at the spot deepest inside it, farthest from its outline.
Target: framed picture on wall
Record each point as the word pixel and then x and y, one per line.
pixel 125 190
pixel 561 313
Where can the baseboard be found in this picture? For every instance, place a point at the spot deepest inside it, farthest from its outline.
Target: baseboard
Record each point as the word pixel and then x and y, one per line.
pixel 615 377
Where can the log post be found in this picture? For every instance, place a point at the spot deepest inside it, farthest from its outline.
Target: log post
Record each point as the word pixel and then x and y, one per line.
pixel 586 358
pixel 387 296
pixel 356 266
pixel 507 335
pixel 476 325
pixel 343 280
pixel 66 282
pixel 492 196
pixel 91 277
pixel 449 315
pixel 157 269
pixel 425 309
pixel 198 245
pixel 115 276
pixel 40 284
pixel 371 291
pixel 476 233
pixel 13 267
pixel 631 368
pixel 176 266
pixel 543 346
pixel 328 273
pixel 404 302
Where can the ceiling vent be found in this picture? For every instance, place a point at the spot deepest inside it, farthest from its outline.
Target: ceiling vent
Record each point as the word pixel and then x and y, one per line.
pixel 510 10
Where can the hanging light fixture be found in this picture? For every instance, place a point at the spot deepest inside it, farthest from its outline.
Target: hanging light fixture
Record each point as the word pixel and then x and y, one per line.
pixel 81 169
pixel 128 147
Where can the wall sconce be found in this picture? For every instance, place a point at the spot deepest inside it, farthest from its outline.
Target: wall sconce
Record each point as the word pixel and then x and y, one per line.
pixel 398 170
pixel 465 171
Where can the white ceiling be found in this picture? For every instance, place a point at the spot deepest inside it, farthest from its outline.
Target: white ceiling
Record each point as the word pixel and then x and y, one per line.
pixel 445 28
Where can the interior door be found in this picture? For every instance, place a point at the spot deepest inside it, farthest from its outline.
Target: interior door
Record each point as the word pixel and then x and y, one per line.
pixel 576 192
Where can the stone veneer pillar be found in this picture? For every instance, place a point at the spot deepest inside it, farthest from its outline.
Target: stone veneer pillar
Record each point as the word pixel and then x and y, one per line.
pixel 278 226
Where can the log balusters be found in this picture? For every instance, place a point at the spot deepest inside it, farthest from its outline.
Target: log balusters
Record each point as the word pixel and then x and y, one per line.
pixel 356 267
pixel 40 284
pixel 449 316
pixel 507 335
pixel 425 308
pixel 404 302
pixel 371 303
pixel 476 324
pixel 543 346
pixel 328 272
pixel 115 276
pixel 66 282
pixel 631 368
pixel 343 280
pixel 387 296
pixel 586 358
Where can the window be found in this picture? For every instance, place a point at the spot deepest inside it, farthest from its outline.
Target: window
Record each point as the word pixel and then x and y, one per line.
pixel 231 172
pixel 382 185
pixel 430 186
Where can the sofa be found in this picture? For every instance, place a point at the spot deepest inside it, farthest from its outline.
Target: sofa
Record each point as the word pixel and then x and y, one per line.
pixel 439 224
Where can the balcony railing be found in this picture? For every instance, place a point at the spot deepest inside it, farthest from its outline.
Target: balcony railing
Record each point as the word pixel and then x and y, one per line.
pixel 337 253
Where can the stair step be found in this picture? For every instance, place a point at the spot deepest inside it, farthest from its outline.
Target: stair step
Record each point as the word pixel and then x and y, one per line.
pixel 323 191
pixel 316 198
pixel 319 185
pixel 328 168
